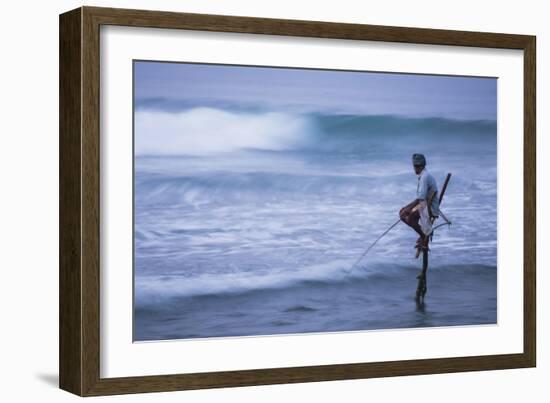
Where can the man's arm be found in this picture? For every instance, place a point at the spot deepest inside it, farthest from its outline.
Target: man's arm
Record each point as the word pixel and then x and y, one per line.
pixel 423 187
pixel 421 195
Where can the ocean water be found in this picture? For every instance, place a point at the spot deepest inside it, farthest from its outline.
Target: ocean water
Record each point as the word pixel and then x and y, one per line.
pixel 251 228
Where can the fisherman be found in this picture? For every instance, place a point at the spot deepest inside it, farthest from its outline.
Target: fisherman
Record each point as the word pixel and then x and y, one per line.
pixel 419 214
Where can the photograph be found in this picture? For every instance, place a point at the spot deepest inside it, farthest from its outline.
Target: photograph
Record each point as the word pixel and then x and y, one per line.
pixel 271 201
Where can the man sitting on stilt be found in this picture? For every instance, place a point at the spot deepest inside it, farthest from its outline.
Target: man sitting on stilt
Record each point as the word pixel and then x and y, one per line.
pixel 419 213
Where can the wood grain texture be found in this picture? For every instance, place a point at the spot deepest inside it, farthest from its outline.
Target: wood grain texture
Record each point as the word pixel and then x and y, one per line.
pixel 70 274
pixel 90 202
pixel 530 202
pixel 80 201
pixel 317 29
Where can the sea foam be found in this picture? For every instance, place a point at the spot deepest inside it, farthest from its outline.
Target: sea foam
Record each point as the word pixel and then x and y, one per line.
pixel 201 131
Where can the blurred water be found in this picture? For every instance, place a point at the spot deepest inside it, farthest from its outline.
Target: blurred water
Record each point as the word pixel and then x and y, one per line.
pixel 259 241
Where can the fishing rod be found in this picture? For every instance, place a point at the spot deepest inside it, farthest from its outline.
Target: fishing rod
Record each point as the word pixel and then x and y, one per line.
pixel 447 222
pixel 372 245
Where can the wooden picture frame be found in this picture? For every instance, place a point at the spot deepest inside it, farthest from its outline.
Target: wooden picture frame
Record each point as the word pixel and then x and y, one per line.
pixel 79 280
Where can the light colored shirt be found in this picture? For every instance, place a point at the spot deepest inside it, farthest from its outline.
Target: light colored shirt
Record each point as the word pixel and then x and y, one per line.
pixel 426 184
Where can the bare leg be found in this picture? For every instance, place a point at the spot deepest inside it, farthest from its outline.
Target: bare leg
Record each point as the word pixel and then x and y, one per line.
pixel 411 219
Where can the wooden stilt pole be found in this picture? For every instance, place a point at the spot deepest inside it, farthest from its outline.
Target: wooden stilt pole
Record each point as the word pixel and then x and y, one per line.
pixel 422 286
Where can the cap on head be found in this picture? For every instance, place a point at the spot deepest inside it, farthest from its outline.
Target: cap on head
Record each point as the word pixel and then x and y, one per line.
pixel 419 160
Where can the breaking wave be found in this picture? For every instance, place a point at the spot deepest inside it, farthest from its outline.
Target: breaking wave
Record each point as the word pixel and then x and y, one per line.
pixel 201 131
